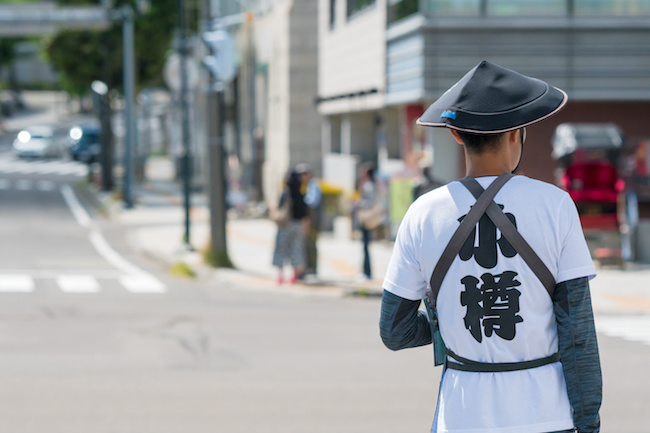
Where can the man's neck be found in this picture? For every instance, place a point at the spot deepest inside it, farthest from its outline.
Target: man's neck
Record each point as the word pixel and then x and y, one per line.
pixel 486 164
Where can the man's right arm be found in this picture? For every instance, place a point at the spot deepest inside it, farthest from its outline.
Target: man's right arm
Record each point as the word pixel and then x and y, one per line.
pixel 402 324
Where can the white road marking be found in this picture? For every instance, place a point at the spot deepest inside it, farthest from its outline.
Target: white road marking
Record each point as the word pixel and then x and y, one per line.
pixel 5 184
pixel 9 163
pixel 112 256
pixel 16 283
pixel 137 280
pixel 79 281
pixel 23 185
pixel 134 279
pixel 632 328
pixel 76 208
pixel 142 284
pixel 78 284
pixel 45 185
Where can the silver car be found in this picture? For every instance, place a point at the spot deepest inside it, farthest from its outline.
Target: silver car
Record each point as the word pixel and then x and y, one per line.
pixel 37 142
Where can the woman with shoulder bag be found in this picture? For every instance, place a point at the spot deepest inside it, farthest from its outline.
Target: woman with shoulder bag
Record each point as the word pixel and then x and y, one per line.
pixel 290 217
pixel 370 212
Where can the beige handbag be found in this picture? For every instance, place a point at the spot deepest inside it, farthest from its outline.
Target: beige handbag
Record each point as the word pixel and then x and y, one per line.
pixel 371 218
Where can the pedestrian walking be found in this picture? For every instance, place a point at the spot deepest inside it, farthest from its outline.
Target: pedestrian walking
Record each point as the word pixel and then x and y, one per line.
pixel 509 316
pixel 370 212
pixel 313 195
pixel 290 217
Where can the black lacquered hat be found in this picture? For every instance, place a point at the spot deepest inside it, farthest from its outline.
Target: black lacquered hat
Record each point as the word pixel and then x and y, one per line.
pixel 491 99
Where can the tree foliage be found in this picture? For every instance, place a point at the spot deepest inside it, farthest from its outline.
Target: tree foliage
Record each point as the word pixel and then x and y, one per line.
pixel 81 57
pixel 7 54
pixel 7 44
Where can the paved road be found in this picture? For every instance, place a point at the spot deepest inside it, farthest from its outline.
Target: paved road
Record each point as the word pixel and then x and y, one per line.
pixel 86 354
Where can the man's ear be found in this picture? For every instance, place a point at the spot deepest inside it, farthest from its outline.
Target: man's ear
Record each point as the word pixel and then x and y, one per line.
pixel 514 136
pixel 456 136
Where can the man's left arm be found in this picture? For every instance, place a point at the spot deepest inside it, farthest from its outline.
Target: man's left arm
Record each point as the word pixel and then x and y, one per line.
pixel 402 324
pixel 578 348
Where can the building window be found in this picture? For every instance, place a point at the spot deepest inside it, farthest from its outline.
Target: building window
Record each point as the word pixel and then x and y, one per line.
pixel 509 8
pixel 453 8
pixel 332 13
pixel 536 8
pixel 399 9
pixel 355 6
pixel 599 8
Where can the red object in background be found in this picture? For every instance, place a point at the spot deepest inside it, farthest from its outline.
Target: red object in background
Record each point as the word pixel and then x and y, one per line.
pixel 604 221
pixel 592 182
pixel 411 114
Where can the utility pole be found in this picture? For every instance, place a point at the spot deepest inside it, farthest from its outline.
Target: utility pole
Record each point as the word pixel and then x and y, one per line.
pixel 129 99
pixel 215 133
pixel 185 128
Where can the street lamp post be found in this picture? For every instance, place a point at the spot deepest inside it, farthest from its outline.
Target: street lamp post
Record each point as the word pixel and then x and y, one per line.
pixel 129 112
pixel 106 155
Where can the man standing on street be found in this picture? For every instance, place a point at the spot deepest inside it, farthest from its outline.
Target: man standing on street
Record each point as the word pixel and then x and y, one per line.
pixel 313 196
pixel 508 311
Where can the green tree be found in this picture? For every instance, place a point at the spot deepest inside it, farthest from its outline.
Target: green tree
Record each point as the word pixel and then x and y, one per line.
pixel 81 57
pixel 7 54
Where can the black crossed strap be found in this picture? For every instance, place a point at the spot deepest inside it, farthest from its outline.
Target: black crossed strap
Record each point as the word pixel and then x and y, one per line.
pixel 485 204
pixel 515 238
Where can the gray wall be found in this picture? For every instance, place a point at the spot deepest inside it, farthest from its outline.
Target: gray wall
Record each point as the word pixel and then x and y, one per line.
pixel 304 120
pixel 592 59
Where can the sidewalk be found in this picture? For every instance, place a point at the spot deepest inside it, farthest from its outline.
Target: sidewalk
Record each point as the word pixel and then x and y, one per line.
pixel 157 232
pixel 156 227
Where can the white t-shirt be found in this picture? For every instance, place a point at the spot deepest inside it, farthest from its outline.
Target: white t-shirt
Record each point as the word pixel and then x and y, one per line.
pixel 491 306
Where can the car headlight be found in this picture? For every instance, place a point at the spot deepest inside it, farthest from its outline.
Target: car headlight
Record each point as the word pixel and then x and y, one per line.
pixel 76 133
pixel 24 137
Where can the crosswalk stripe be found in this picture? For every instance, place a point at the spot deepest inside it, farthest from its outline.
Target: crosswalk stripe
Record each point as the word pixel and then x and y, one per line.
pixel 23 185
pixel 9 168
pixel 82 283
pixel 78 284
pixel 142 284
pixel 632 328
pixel 16 283
pixel 48 167
pixel 11 164
pixel 45 185
pixel 5 184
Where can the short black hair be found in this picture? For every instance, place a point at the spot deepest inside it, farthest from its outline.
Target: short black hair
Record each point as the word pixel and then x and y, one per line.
pixel 479 143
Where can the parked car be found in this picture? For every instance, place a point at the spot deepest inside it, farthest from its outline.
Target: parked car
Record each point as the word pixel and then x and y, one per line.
pixel 36 142
pixel 85 145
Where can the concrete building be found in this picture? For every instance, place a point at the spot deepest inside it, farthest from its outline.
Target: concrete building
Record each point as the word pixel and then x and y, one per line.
pixel 383 61
pixel 292 121
pixel 276 92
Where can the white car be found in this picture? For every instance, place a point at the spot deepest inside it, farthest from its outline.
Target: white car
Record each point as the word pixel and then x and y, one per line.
pixel 36 141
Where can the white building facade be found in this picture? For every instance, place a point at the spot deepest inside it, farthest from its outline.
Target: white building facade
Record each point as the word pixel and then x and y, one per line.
pixel 360 121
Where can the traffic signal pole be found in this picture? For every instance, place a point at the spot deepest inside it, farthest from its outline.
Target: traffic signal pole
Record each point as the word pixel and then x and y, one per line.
pixel 129 99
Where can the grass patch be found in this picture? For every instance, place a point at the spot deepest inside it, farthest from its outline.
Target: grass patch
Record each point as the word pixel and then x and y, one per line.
pixel 182 270
pixel 219 259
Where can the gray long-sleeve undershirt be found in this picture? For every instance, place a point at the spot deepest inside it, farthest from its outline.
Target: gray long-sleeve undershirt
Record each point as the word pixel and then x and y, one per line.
pixel 403 325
